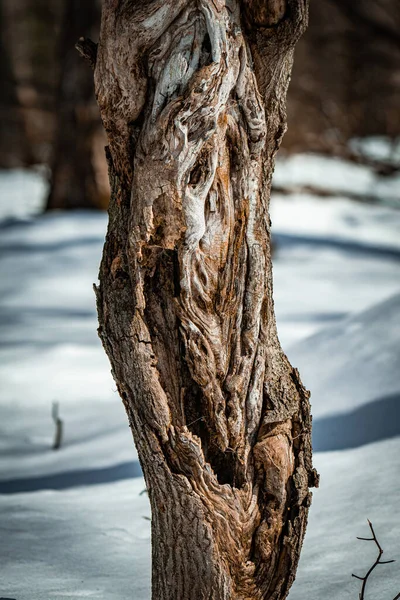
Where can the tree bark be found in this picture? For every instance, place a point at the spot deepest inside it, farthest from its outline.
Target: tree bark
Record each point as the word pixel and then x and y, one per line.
pixel 192 96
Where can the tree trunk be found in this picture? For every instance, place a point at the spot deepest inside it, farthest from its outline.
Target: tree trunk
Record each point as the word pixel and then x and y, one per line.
pixel 79 175
pixel 13 142
pixel 192 95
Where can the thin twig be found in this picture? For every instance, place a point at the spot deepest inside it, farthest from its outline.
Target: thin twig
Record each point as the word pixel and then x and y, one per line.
pixel 195 421
pixel 301 433
pixel 377 562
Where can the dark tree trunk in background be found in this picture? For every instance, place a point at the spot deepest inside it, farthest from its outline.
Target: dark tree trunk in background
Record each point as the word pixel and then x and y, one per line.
pixel 31 31
pixel 192 95
pixel 79 176
pixel 345 83
pixel 346 78
pixel 14 150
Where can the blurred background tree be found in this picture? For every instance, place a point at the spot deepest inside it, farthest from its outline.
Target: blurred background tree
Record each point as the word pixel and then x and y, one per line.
pixel 346 76
pixel 77 162
pixel 48 99
pixel 345 84
pixel 30 35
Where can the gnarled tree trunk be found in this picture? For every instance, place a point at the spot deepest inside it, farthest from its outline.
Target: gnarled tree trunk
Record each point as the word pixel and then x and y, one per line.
pixel 192 95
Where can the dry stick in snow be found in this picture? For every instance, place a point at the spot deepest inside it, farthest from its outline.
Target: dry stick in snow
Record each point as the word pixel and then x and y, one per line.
pixel 377 562
pixel 59 426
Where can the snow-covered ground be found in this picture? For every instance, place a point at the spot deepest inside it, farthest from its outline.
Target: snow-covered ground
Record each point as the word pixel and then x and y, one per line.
pixel 94 542
pixel 337 299
pixel 49 350
pixel 22 192
pixel 330 175
pixel 377 148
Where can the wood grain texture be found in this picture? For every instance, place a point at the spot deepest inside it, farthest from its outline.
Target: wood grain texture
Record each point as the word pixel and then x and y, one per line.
pixel 192 95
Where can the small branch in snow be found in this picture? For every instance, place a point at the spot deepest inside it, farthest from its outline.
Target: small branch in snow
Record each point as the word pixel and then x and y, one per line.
pixel 377 562
pixel 59 426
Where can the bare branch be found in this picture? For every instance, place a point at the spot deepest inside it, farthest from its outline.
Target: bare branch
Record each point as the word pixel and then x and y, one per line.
pixel 377 562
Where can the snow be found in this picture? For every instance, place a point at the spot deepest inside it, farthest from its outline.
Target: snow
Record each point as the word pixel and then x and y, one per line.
pixel 337 300
pixel 354 362
pixel 337 219
pixel 94 542
pixel 331 175
pixel 49 350
pixel 91 542
pixel 355 485
pixel 23 192
pixel 333 258
pixel 378 148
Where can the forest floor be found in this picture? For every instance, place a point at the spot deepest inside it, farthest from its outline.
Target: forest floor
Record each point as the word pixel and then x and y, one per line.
pixel 74 523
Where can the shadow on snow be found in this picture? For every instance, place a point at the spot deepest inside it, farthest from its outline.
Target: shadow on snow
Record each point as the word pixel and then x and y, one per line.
pixel 378 420
pixel 371 422
pixel 69 479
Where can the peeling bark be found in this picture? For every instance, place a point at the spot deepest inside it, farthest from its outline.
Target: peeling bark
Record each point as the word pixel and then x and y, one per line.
pixel 192 96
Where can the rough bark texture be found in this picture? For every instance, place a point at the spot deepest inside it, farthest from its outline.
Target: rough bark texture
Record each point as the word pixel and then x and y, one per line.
pixel 192 96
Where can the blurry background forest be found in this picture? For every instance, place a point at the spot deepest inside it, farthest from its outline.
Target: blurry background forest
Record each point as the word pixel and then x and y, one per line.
pixel 345 85
pixel 335 212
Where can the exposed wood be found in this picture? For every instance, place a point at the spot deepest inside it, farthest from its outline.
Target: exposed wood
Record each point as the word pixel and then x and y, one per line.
pixel 192 96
